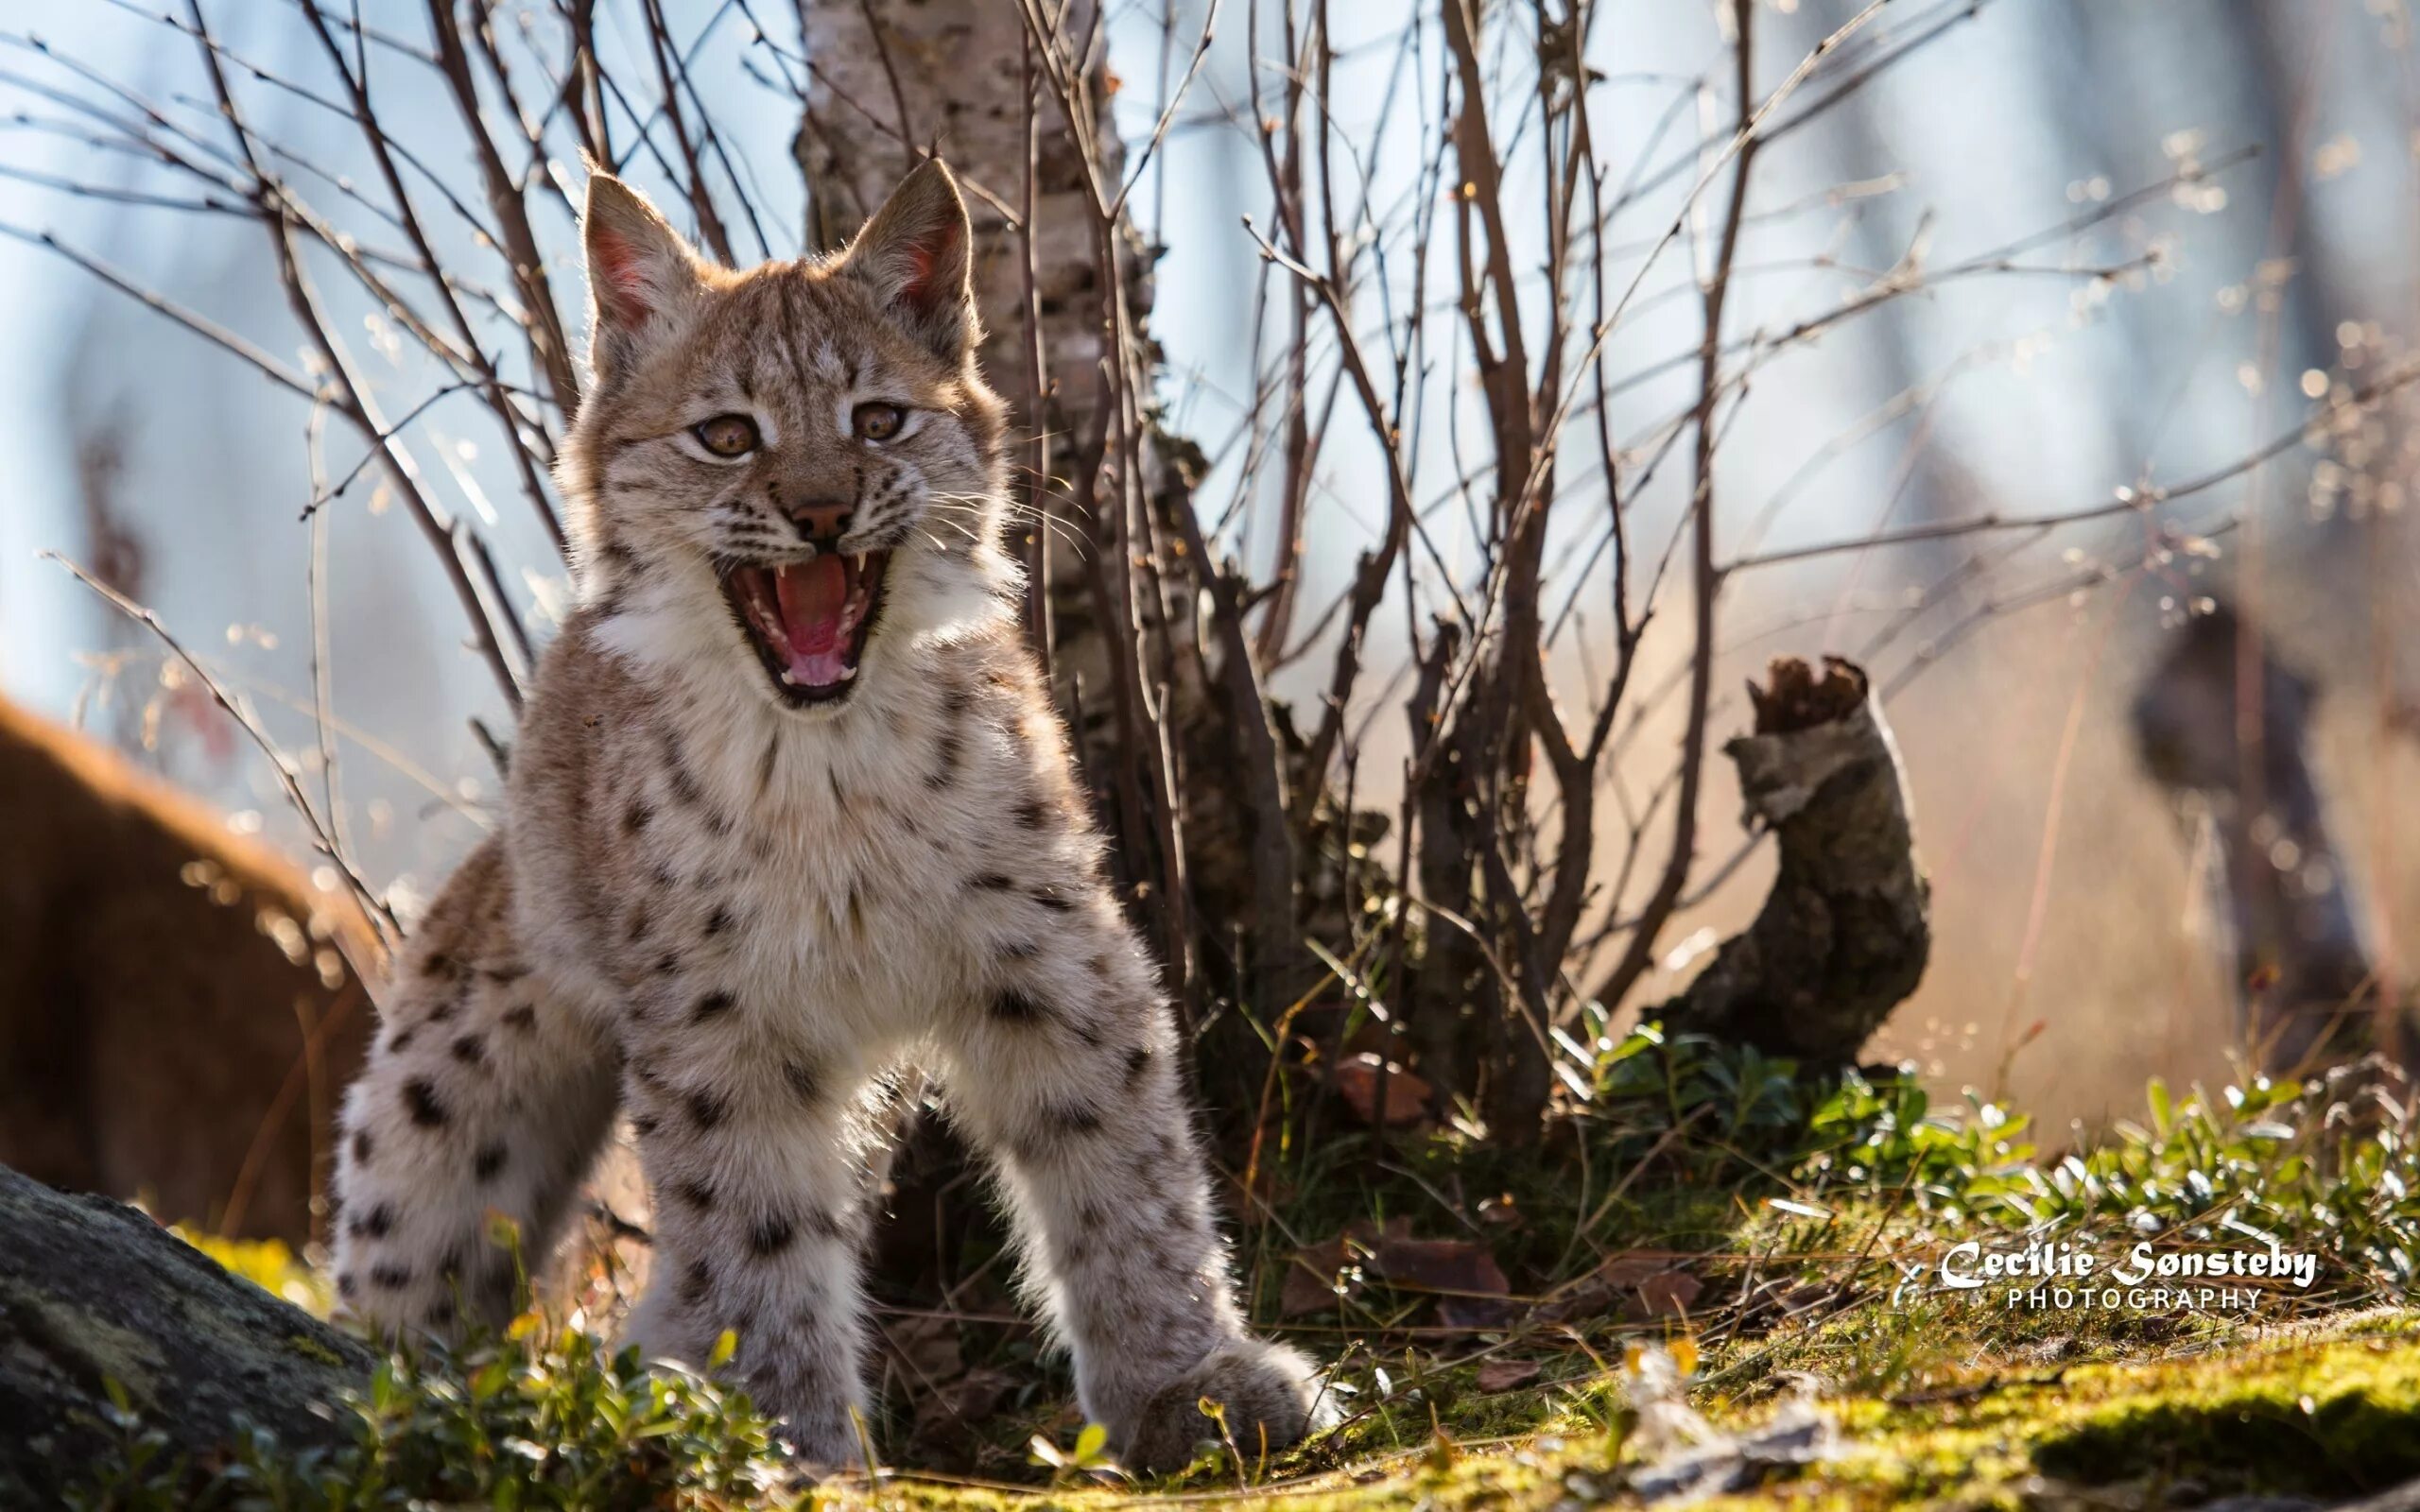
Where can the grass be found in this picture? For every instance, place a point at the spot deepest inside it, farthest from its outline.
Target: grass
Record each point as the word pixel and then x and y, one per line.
pixel 1706 1244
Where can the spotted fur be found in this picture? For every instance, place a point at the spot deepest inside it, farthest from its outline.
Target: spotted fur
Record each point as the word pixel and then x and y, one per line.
pixel 740 920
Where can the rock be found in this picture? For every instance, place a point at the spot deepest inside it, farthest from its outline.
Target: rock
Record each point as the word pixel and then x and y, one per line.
pixel 90 1292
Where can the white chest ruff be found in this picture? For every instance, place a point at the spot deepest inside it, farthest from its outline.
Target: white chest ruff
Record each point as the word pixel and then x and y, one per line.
pixel 818 869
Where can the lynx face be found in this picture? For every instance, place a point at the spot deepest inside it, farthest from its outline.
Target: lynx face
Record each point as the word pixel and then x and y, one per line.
pixel 785 469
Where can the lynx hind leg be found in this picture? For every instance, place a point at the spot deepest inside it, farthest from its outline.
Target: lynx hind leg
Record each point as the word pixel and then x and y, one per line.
pixel 482 1094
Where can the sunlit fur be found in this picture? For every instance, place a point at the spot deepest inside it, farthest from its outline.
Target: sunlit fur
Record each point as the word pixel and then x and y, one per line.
pixel 749 924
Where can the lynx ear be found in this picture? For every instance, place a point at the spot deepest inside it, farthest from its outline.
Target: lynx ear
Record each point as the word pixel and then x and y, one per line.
pixel 914 255
pixel 642 277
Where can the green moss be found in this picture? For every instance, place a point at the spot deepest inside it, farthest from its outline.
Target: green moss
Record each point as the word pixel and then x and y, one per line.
pixel 2322 1415
pixel 1442 1474
pixel 2233 1417
pixel 311 1349
pixel 2339 1421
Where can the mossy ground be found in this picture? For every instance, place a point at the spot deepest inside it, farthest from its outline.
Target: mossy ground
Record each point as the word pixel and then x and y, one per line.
pixel 2324 1410
pixel 1955 1401
pixel 1496 1321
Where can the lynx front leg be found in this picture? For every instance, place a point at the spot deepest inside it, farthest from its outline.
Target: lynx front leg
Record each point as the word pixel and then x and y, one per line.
pixel 1075 1092
pixel 758 1158
pixel 482 1094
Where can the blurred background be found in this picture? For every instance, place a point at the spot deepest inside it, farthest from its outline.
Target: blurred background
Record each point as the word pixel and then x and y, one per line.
pixel 2039 251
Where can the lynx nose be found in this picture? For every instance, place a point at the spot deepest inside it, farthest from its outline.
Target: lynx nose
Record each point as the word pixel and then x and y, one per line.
pixel 822 519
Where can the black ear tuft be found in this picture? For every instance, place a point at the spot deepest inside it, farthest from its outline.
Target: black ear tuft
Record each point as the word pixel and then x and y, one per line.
pixel 916 254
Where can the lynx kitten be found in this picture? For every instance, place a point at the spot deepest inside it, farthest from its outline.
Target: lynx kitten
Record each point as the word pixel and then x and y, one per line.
pixel 791 817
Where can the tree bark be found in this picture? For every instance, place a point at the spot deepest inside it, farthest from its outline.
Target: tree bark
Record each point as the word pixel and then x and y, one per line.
pixel 892 80
pixel 1843 935
pixel 93 1293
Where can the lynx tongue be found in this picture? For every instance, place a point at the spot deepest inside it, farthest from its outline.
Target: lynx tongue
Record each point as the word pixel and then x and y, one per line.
pixel 815 600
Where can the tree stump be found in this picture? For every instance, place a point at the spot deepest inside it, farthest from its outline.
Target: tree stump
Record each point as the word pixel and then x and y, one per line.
pixel 1843 935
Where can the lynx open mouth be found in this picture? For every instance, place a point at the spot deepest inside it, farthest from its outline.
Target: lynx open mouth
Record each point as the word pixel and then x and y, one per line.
pixel 809 621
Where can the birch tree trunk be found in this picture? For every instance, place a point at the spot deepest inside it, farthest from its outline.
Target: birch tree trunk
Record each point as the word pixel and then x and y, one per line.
pixel 892 80
pixel 1175 739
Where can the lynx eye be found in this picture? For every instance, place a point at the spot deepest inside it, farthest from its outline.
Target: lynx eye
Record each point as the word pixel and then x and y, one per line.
pixel 877 421
pixel 727 434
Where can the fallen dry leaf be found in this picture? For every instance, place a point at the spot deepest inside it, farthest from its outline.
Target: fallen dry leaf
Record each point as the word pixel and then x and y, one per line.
pixel 1618 1285
pixel 1669 1294
pixel 1311 1279
pixel 1503 1375
pixel 926 1349
pixel 1624 1271
pixel 1442 1266
pixel 1477 1313
pixel 1461 1268
pixel 1357 1078
pixel 963 1403
pixel 1500 1212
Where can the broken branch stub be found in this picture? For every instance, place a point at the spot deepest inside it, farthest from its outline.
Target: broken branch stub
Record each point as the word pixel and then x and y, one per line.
pixel 1843 935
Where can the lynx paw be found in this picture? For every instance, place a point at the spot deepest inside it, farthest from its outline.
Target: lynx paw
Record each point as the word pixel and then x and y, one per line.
pixel 1269 1392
